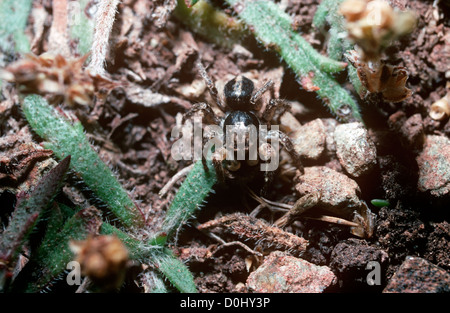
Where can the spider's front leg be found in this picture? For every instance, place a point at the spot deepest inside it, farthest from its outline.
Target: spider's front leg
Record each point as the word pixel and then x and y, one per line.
pixel 268 179
pixel 271 151
pixel 267 154
pixel 287 144
pixel 272 106
pixel 211 87
pixel 258 94
pixel 218 157
pixel 208 113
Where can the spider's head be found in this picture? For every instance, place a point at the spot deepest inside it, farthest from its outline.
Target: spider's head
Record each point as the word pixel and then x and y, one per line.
pixel 238 93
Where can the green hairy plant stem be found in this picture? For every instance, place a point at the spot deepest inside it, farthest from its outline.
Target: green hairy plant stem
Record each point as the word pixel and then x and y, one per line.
pixel 211 23
pixel 147 252
pixel 28 210
pixel 82 27
pixel 175 271
pixel 273 27
pixel 13 17
pixel 189 198
pixel 54 253
pixel 338 43
pixel 67 138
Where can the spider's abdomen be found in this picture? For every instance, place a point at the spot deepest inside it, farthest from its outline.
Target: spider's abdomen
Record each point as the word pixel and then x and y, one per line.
pixel 240 119
pixel 240 132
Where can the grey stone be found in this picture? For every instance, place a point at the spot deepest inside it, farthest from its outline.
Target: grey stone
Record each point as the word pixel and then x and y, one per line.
pixel 417 275
pixel 282 273
pixel 338 193
pixel 309 140
pixel 434 166
pixel 330 126
pixel 354 148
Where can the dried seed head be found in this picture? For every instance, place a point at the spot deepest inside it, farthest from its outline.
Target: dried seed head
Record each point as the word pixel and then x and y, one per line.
pixel 379 14
pixel 353 9
pixel 378 77
pixel 103 259
pixel 54 75
pixel 257 232
pixel 440 110
pixel 373 25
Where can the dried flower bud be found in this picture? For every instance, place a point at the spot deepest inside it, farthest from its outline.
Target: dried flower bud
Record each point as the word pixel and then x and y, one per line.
pixel 441 109
pixel 54 75
pixel 382 78
pixel 103 259
pixel 353 9
pixel 373 25
pixel 379 14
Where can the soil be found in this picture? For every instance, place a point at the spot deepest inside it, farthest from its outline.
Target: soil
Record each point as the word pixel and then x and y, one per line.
pixel 134 137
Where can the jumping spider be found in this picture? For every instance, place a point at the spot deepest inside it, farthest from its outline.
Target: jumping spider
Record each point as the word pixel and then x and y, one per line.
pixel 241 109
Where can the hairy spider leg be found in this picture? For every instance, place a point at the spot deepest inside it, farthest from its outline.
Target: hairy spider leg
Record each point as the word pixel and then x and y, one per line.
pixel 273 105
pixel 288 146
pixel 217 158
pixel 258 94
pixel 207 111
pixel 211 86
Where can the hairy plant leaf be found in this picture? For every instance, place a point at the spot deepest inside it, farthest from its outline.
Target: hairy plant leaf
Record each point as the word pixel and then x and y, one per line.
pixel 54 254
pixel 189 197
pixel 175 271
pixel 13 17
pixel 67 138
pixel 27 211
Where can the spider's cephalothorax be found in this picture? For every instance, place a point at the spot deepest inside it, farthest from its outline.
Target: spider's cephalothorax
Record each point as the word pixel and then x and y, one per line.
pixel 238 93
pixel 241 112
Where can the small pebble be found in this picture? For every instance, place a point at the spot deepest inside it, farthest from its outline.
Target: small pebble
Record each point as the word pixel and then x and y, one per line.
pixel 434 166
pixel 339 193
pixel 354 148
pixel 310 139
pixel 282 273
pixel 417 275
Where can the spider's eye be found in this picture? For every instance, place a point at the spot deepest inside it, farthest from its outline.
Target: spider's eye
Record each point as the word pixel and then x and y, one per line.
pixel 238 92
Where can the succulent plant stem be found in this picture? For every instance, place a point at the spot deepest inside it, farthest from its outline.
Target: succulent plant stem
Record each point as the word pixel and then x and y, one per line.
pixel 210 22
pixel 188 199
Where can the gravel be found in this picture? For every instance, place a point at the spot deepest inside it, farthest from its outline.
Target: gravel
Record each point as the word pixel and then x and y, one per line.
pixel 339 193
pixel 434 166
pixel 282 273
pixel 354 148
pixel 417 275
pixel 310 139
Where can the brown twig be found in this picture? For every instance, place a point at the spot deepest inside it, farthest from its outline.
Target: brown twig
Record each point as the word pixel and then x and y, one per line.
pixel 237 243
pixel 333 219
pixel 257 231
